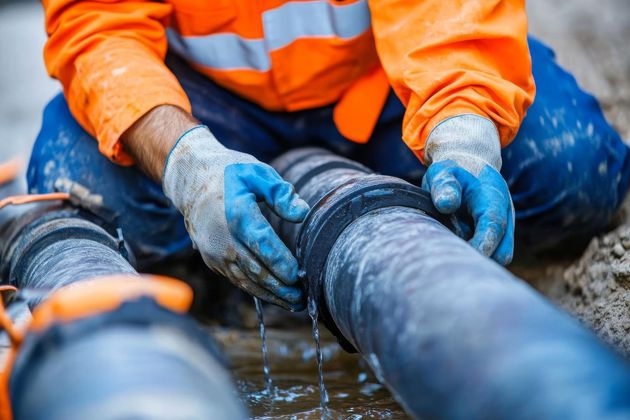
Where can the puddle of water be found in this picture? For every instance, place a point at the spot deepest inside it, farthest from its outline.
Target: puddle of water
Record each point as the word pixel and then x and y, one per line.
pixel 353 391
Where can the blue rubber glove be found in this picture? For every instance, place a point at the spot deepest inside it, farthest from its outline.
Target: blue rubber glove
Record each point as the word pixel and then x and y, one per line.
pixel 218 191
pixel 464 180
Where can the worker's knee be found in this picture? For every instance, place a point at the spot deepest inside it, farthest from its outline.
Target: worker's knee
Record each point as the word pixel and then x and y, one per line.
pixel 568 184
pixel 66 158
pixel 49 155
pixel 568 169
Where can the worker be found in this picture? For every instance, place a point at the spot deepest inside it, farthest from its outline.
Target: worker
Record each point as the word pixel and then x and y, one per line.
pixel 172 110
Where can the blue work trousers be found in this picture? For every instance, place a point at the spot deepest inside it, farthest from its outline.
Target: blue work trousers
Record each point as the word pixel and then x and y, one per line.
pixel 567 169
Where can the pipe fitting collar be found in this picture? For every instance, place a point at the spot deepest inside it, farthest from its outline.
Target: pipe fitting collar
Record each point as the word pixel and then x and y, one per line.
pixel 330 216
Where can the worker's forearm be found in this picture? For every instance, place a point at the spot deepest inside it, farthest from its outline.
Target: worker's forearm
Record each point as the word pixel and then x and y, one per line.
pixel 153 136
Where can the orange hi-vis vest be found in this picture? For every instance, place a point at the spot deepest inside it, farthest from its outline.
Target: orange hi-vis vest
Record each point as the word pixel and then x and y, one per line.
pixel 442 57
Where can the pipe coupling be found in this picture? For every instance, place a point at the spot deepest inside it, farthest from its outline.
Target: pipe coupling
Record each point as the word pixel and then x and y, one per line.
pixel 335 211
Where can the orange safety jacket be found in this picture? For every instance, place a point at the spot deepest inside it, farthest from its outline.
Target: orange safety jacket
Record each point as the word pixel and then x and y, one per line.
pixel 442 57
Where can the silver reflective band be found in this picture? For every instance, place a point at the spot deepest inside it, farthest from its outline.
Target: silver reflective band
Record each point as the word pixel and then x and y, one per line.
pixel 221 51
pixel 282 26
pixel 295 20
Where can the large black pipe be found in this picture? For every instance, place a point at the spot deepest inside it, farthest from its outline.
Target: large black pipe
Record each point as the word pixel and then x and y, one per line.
pixel 58 248
pixel 138 360
pixel 48 245
pixel 452 334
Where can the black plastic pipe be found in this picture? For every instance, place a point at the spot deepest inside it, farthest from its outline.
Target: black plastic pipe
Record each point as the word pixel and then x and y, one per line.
pixel 59 248
pixel 452 334
pixel 138 360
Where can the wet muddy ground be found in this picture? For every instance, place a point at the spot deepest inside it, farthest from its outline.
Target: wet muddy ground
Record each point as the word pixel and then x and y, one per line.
pixel 591 40
pixel 354 393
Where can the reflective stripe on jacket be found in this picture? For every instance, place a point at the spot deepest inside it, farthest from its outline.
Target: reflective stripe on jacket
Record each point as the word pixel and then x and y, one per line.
pixel 443 58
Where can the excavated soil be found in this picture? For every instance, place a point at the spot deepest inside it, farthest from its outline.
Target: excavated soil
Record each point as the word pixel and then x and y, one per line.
pixel 597 288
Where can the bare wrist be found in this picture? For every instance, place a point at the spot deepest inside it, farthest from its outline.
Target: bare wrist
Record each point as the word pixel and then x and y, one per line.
pixel 150 139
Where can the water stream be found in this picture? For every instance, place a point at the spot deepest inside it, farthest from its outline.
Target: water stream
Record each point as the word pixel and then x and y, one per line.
pixel 354 391
pixel 263 344
pixel 288 352
pixel 323 394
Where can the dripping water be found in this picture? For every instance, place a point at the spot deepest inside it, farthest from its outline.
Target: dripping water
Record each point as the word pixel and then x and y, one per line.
pixel 263 340
pixel 312 311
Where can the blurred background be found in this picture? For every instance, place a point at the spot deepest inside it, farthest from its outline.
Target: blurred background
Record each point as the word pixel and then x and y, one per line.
pixel 591 39
pixel 24 85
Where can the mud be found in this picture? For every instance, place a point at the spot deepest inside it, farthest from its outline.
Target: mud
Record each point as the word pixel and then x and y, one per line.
pixel 354 391
pixel 596 288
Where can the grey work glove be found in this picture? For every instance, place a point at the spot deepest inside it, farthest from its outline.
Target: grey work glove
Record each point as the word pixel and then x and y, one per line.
pixel 218 191
pixel 464 158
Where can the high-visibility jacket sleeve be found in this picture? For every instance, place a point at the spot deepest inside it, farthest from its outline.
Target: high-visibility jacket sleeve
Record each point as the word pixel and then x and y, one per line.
pixel 451 57
pixel 108 55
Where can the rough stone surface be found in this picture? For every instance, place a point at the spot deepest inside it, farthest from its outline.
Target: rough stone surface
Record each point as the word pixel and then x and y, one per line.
pixel 596 288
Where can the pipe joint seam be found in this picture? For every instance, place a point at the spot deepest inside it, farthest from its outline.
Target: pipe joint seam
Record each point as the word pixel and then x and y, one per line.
pixel 334 212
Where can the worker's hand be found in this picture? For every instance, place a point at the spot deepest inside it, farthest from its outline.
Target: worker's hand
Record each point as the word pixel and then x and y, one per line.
pixel 218 191
pixel 464 177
